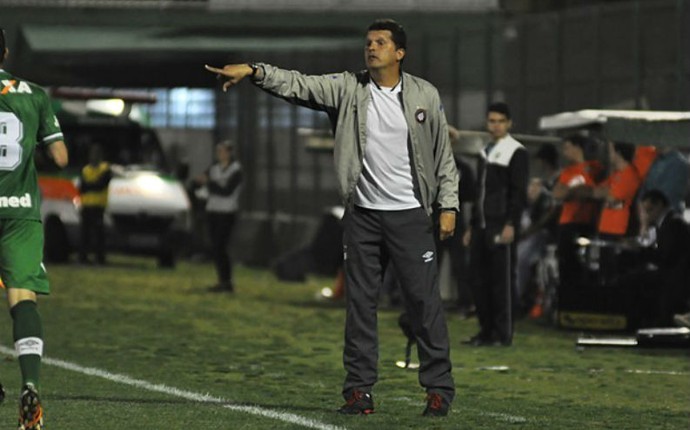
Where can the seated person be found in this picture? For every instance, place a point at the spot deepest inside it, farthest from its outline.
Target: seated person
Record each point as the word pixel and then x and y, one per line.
pixel 659 287
pixel 547 162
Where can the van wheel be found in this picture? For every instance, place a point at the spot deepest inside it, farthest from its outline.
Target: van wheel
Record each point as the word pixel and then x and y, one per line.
pixel 56 247
pixel 166 260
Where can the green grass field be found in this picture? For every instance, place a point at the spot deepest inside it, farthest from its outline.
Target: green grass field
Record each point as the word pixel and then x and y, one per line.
pixel 121 339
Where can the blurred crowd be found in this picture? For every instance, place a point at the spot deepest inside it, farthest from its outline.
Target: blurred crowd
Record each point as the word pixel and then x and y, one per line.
pixel 606 216
pixel 608 209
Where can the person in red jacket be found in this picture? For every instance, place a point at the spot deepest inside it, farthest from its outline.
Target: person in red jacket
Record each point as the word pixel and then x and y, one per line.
pixel 578 210
pixel 618 191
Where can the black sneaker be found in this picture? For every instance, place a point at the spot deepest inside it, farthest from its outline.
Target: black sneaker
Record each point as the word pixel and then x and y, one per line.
pixel 359 403
pixel 479 339
pixel 30 409
pixel 222 287
pixel 2 393
pixel 436 406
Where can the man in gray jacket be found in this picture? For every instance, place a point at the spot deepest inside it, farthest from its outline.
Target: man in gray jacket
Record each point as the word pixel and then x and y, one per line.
pixel 394 164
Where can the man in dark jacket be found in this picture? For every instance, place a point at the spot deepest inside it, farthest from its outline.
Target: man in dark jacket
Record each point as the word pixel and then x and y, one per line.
pixel 664 288
pixel 502 177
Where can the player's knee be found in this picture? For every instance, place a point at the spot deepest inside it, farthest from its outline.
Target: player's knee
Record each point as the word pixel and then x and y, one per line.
pixel 16 295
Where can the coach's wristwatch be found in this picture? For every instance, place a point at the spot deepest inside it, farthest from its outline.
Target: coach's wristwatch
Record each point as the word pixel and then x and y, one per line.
pixel 255 69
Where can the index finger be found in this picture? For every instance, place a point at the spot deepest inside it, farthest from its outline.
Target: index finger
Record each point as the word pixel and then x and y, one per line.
pixel 212 69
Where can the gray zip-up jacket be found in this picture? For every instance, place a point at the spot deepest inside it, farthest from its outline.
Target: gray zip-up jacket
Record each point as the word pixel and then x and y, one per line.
pixel 345 98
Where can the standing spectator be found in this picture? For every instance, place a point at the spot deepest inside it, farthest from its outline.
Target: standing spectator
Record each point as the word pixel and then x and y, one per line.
pixel 503 176
pixel 618 191
pixel 27 122
pixel 578 211
pixel 542 229
pixel 533 239
pixel 223 181
pixel 93 186
pixel 548 163
pixel 393 164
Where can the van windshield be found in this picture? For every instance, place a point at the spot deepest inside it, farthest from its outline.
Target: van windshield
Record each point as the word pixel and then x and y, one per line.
pixel 129 145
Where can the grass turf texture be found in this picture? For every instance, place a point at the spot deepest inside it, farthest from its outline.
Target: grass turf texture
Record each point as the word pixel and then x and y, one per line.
pixel 273 345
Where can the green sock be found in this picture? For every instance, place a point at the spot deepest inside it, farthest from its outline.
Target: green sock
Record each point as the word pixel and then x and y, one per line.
pixel 28 340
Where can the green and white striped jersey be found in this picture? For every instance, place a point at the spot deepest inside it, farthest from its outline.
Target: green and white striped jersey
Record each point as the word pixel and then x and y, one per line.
pixel 26 120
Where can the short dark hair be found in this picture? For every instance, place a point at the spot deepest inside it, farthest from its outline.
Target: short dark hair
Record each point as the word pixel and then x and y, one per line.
pixel 227 144
pixel 397 31
pixel 499 107
pixel 548 153
pixel 656 197
pixel 577 140
pixel 625 150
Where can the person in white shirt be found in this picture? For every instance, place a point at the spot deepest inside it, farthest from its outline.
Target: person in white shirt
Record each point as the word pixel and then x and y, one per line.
pixel 394 164
pixel 223 181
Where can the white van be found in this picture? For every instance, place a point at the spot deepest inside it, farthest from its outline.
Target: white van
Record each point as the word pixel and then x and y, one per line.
pixel 148 209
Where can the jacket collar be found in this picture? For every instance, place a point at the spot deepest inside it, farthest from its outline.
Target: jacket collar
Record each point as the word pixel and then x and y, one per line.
pixel 364 78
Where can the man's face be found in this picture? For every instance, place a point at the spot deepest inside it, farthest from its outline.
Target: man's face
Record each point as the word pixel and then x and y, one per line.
pixel 533 190
pixel 652 211
pixel 570 151
pixel 380 51
pixel 498 125
pixel 223 154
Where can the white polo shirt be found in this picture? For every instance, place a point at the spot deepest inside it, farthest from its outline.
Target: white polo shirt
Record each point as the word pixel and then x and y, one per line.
pixel 386 179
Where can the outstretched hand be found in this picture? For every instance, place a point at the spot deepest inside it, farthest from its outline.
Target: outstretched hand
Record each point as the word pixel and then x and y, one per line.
pixel 231 73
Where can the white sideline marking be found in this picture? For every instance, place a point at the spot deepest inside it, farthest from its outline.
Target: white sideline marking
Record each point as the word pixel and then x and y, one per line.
pixel 513 419
pixel 656 372
pixel 501 416
pixel 188 395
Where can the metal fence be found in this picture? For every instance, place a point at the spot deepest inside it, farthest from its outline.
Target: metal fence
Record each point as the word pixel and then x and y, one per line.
pixel 273 5
pixel 632 55
pixel 120 4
